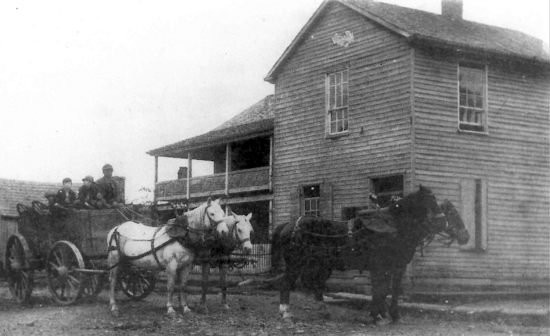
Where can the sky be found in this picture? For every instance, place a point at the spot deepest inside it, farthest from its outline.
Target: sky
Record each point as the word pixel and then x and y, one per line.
pixel 84 83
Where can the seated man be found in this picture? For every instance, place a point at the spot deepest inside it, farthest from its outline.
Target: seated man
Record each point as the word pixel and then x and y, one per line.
pixel 65 196
pixel 108 195
pixel 87 194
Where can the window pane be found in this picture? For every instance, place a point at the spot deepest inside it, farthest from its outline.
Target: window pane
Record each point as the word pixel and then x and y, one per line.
pixel 338 96
pixel 479 101
pixel 331 79
pixel 345 95
pixel 333 116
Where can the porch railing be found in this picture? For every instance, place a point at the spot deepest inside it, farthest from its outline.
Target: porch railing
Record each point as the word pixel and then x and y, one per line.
pixel 254 179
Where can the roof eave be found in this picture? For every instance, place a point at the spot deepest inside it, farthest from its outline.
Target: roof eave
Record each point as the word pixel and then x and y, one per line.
pixel 457 47
pixel 176 150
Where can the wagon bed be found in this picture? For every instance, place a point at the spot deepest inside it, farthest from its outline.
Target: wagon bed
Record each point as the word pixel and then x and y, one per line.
pixel 71 246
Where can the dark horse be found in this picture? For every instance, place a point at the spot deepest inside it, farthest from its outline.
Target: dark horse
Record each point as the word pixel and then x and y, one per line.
pixel 311 248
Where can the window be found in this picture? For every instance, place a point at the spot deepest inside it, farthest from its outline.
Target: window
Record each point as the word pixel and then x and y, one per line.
pixel 387 187
pixel 311 196
pixel 337 102
pixel 473 194
pixel 472 112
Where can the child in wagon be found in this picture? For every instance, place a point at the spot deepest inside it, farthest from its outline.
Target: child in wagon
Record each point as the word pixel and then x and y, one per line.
pixel 87 194
pixel 65 196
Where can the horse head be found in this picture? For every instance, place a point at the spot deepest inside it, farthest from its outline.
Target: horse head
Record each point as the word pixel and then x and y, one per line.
pixel 456 230
pixel 240 230
pixel 423 208
pixel 214 212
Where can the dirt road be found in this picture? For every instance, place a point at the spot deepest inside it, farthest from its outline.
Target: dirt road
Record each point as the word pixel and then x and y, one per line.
pixel 251 314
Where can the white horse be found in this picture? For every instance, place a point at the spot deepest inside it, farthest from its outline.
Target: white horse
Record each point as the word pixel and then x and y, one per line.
pixel 133 243
pixel 240 230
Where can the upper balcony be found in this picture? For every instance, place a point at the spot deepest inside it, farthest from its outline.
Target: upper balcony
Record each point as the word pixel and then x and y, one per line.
pixel 238 154
pixel 237 167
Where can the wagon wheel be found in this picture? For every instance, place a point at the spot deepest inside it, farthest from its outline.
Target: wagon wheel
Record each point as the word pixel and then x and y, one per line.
pixel 93 283
pixel 65 282
pixel 19 274
pixel 136 284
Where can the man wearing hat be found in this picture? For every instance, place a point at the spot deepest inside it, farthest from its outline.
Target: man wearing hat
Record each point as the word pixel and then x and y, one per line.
pixel 65 196
pixel 108 190
pixel 87 194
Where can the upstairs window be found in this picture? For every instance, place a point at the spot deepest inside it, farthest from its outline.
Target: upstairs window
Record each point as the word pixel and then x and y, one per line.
pixel 472 114
pixel 311 197
pixel 337 102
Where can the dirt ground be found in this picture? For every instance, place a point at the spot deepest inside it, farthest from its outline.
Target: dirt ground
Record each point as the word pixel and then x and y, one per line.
pixel 252 313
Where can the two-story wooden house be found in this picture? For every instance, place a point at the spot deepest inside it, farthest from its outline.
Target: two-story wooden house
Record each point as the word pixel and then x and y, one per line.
pixel 373 97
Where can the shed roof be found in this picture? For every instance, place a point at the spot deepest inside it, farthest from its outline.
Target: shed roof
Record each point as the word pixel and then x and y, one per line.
pixel 254 121
pixel 418 25
pixel 16 191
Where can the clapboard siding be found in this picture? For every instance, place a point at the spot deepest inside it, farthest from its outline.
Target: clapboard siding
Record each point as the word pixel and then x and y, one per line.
pixel 513 159
pixel 378 142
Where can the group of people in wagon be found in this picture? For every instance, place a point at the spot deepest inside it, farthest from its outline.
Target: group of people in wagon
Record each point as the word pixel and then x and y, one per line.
pixel 101 194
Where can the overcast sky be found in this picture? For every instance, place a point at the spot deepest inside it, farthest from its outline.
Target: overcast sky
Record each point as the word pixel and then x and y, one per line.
pixel 83 83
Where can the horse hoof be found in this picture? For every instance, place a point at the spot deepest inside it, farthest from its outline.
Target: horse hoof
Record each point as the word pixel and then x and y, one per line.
pixel 115 313
pixel 226 307
pixel 186 310
pixel 287 316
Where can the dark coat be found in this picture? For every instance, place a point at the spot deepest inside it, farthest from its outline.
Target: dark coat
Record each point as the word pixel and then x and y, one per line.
pixel 88 193
pixel 108 189
pixel 64 197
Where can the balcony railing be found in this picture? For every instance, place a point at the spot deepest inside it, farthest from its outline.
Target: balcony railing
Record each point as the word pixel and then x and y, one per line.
pixel 255 179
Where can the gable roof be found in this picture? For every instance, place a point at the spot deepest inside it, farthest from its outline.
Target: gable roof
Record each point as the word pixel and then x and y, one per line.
pixel 16 191
pixel 417 25
pixel 255 120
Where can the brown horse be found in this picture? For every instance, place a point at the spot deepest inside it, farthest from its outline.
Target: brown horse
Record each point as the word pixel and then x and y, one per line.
pixel 311 250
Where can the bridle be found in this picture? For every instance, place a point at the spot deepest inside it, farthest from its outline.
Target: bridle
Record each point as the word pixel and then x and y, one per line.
pixel 234 234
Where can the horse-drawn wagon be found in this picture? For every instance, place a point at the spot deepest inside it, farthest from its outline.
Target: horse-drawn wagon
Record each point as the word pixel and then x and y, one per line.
pixel 70 247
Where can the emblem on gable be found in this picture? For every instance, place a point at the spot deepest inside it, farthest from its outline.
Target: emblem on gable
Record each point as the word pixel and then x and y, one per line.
pixel 343 40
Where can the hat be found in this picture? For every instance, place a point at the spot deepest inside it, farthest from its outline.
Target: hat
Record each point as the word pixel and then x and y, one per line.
pixel 107 167
pixel 88 178
pixel 66 179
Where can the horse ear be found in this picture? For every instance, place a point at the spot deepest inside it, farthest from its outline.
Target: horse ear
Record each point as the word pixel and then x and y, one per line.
pixel 217 201
pixel 209 201
pixel 249 216
pixel 233 214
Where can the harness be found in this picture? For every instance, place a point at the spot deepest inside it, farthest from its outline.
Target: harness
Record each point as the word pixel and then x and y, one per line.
pixel 183 241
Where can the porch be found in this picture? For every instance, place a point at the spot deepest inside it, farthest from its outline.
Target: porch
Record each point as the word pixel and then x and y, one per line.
pixel 233 168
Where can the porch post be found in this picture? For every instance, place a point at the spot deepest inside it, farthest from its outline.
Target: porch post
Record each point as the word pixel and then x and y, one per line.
pixel 156 169
pixel 227 166
pixel 271 163
pixel 156 178
pixel 189 174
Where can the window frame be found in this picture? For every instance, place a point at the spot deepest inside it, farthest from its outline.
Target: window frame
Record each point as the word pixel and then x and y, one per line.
pixel 374 180
pixel 344 108
pixel 464 127
pixel 304 200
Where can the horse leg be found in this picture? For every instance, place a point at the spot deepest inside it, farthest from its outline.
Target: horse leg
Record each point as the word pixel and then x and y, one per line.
pixel 183 276
pixel 223 285
pixel 113 260
pixel 397 276
pixel 378 305
pixel 204 286
pixel 171 275
pixel 287 284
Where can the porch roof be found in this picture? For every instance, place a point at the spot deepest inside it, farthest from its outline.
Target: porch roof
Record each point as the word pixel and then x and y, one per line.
pixel 255 121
